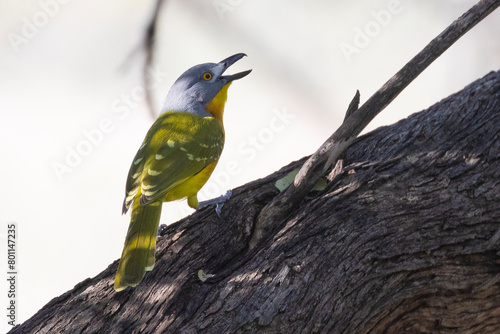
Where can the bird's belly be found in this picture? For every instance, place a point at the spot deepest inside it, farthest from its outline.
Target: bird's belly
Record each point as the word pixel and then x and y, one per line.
pixel 192 185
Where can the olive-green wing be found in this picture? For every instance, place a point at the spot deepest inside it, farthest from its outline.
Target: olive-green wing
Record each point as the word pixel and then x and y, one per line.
pixel 134 176
pixel 178 146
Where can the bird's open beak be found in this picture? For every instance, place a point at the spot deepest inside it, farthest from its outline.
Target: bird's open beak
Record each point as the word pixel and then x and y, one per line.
pixel 230 61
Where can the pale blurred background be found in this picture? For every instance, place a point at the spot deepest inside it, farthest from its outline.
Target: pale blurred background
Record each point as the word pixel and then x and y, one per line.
pixel 74 112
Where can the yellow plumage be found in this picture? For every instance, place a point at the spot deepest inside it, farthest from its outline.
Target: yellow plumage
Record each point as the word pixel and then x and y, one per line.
pixel 175 160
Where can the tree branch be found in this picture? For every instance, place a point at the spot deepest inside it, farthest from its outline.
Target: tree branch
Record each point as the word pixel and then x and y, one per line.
pixel 317 165
pixel 149 39
pixel 407 242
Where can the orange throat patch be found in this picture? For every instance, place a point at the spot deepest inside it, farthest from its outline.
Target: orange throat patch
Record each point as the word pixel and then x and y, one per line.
pixel 216 106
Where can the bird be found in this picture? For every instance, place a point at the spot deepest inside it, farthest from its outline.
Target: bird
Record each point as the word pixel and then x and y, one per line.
pixel 176 158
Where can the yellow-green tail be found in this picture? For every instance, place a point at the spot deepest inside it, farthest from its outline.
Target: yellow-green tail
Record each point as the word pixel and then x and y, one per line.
pixel 139 250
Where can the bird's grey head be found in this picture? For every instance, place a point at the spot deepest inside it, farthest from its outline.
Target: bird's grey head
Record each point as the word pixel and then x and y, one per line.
pixel 196 87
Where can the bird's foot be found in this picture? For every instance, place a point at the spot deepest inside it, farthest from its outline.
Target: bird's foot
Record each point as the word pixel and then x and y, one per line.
pixel 162 229
pixel 218 201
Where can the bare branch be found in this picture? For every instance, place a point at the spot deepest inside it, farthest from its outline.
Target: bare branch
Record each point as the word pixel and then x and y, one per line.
pixel 326 155
pixel 149 39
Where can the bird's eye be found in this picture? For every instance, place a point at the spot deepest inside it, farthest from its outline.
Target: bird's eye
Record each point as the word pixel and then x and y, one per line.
pixel 207 76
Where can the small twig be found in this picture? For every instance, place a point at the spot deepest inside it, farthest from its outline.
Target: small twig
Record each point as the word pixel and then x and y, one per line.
pixel 149 39
pixel 337 170
pixel 326 155
pixel 147 44
pixel 353 106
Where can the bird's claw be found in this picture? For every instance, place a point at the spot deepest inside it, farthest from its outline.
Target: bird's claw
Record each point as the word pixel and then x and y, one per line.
pixel 219 202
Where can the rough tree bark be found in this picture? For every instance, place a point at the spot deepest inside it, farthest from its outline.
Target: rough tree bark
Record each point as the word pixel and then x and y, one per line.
pixel 328 153
pixel 405 239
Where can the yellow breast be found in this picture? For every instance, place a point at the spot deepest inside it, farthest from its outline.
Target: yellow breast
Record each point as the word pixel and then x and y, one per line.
pixel 216 106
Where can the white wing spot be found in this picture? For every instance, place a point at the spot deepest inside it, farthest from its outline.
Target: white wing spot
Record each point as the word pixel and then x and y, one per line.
pixel 170 143
pixel 190 156
pixel 183 149
pixel 131 195
pixel 204 145
pixel 153 172
pixel 149 193
pixel 137 161
pixel 159 157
